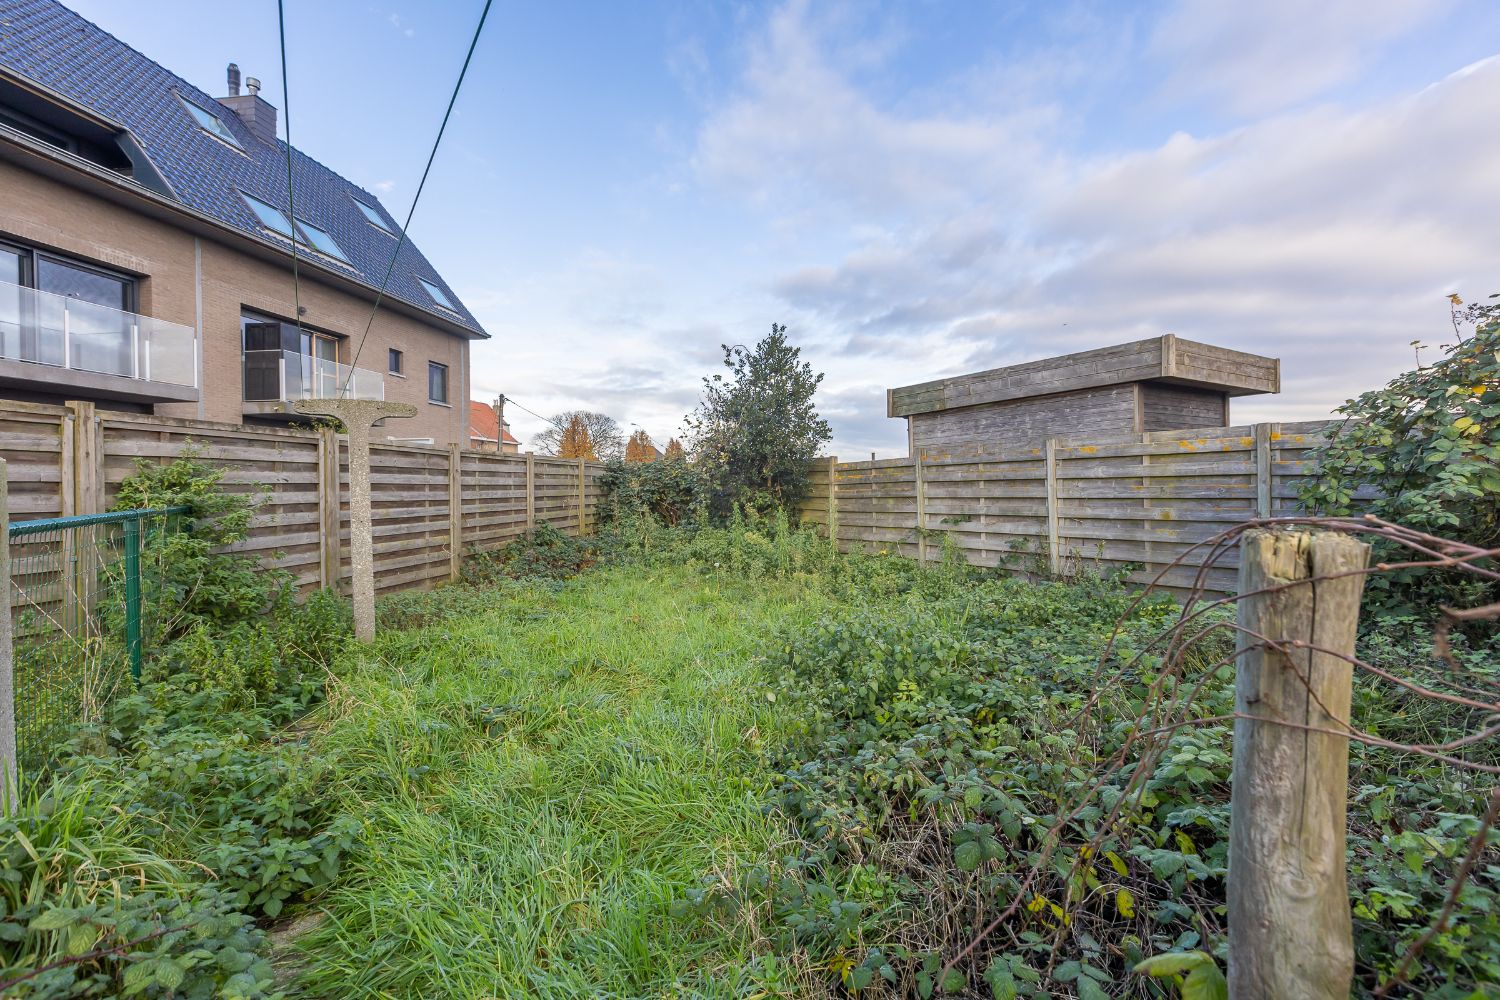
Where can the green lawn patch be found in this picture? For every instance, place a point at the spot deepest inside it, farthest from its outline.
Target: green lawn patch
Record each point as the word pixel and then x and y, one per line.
pixel 540 782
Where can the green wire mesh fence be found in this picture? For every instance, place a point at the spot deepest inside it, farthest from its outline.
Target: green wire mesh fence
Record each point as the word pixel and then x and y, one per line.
pixel 81 623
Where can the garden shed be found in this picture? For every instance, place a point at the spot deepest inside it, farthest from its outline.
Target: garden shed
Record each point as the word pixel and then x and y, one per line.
pixel 1161 384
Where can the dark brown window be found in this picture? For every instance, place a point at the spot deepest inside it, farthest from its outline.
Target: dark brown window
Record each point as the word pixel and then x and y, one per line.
pixel 437 382
pixel 397 361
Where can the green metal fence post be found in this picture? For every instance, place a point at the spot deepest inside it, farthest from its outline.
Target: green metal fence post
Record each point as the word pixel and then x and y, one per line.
pixel 133 594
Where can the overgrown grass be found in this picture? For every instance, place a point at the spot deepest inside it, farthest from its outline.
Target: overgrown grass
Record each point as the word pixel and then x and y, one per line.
pixel 540 782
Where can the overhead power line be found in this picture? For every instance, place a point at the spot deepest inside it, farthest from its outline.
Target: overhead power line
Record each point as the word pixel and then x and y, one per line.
pixel 291 204
pixel 401 236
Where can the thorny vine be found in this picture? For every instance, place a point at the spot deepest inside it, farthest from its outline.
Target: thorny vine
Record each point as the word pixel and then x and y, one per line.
pixel 1169 707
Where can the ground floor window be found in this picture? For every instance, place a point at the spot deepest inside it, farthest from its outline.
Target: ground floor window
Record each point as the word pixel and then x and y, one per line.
pixel 437 382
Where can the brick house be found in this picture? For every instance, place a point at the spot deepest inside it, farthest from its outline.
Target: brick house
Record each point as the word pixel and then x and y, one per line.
pixel 147 236
pixel 489 430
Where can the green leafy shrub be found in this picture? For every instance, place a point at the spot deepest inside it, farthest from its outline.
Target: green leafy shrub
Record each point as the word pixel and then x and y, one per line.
pixel 671 491
pixel 1424 451
pixel 194 765
pixel 943 731
pixel 88 910
pixel 544 553
pixel 757 429
pixel 411 609
pixel 186 576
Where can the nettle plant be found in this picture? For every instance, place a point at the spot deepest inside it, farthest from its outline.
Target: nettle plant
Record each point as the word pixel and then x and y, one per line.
pixel 1427 446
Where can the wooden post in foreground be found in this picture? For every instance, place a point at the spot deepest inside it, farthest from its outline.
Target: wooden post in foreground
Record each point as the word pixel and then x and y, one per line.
pixel 1290 933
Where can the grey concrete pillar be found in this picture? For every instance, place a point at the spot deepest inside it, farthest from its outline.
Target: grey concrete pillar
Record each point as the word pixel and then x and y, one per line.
pixel 358 416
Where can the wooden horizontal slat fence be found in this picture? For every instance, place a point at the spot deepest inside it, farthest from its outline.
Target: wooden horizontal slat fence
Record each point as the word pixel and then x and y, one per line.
pixel 1139 500
pixel 427 504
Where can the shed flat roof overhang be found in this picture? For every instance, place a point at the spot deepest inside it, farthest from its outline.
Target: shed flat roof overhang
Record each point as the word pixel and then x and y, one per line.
pixel 1167 359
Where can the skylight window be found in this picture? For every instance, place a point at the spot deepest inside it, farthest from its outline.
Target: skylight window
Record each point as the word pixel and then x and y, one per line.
pixel 270 216
pixel 319 240
pixel 304 232
pixel 438 295
pixel 210 122
pixel 376 219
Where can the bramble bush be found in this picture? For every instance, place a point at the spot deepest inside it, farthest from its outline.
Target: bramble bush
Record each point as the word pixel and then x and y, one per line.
pixel 941 740
pixel 195 765
pixel 671 491
pixel 1425 451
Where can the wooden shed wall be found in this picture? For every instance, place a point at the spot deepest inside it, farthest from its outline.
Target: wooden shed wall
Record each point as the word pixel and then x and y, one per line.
pixel 1019 423
pixel 1179 407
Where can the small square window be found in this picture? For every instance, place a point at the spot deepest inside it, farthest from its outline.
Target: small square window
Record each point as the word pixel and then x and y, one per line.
pixel 438 295
pixel 395 363
pixel 210 122
pixel 437 382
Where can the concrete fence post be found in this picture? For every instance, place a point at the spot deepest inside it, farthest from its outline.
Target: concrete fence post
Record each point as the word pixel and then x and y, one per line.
pixel 1290 931
pixel 9 773
pixel 358 416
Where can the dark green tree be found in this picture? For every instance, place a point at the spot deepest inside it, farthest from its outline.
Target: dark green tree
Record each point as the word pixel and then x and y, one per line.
pixel 756 429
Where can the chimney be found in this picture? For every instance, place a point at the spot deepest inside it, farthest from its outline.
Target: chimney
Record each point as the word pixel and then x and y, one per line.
pixel 258 115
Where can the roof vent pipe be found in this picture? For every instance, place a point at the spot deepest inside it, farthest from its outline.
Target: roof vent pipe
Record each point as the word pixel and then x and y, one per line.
pixel 252 85
pixel 234 80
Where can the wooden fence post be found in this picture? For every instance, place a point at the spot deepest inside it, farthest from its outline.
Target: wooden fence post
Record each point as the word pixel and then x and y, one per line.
pixel 582 508
pixel 81 563
pixel 1290 933
pixel 530 492
pixel 88 460
pixel 9 774
pixel 329 509
pixel 921 507
pixel 833 501
pixel 455 512
pixel 1263 481
pixel 1054 541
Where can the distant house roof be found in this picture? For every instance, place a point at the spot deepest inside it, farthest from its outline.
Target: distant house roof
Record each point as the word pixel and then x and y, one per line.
pixel 208 168
pixel 484 424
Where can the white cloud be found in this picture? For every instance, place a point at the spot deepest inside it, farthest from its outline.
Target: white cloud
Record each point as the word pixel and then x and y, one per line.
pixel 801 127
pixel 1270 54
pixel 1328 237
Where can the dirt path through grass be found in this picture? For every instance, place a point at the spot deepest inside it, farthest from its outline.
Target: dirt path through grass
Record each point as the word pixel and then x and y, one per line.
pixel 538 783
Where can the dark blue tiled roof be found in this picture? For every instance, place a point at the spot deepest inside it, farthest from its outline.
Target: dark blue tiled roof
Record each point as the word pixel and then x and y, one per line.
pixel 51 45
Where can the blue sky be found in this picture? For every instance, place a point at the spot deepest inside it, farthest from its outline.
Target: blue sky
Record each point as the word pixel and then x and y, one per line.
pixel 917 189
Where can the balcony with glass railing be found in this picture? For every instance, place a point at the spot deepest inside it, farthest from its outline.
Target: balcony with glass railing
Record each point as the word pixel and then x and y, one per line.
pixel 69 347
pixel 276 379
